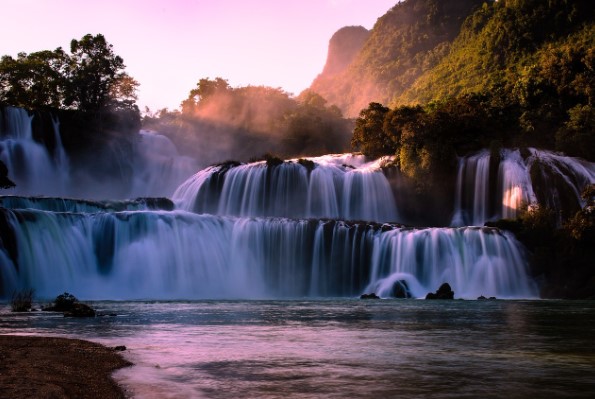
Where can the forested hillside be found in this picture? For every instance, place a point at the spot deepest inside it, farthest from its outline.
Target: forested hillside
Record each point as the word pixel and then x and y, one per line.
pixel 405 42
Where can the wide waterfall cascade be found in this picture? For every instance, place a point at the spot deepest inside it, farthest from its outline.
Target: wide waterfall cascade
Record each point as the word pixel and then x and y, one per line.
pixel 154 164
pixel 177 254
pixel 343 186
pixel 33 168
pixel 484 193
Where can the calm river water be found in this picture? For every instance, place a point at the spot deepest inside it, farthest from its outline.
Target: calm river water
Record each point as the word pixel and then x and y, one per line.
pixel 345 348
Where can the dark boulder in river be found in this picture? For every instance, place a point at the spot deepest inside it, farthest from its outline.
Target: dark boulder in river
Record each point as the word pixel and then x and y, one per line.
pixel 371 295
pixel 444 292
pixel 401 290
pixel 80 310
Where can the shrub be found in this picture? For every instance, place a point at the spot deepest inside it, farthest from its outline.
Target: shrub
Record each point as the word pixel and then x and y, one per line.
pixel 21 301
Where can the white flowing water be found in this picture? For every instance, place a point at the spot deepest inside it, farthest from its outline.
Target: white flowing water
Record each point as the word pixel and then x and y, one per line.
pixel 156 167
pixel 173 255
pixel 30 165
pixel 543 177
pixel 339 187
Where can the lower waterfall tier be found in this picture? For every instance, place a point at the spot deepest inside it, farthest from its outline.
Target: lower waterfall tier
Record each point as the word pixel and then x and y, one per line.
pixel 175 255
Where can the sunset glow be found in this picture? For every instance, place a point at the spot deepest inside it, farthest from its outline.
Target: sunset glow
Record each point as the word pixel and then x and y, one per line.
pixel 169 45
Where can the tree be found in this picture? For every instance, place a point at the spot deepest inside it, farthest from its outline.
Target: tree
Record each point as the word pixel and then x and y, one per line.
pixel 205 88
pixel 369 136
pixel 92 77
pixel 94 72
pixel 35 80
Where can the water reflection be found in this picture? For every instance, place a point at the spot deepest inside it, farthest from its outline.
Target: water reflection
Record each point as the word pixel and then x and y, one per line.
pixel 341 348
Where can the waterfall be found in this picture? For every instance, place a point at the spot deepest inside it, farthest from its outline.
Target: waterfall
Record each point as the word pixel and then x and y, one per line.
pixel 333 186
pixel 177 254
pixel 542 177
pixel 31 166
pixel 156 167
pixel 57 204
pixel 471 203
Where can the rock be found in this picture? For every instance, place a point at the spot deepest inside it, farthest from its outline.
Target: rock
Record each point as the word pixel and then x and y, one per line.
pixel 80 310
pixel 401 289
pixel 482 298
pixel 371 295
pixel 63 303
pixel 120 348
pixel 444 292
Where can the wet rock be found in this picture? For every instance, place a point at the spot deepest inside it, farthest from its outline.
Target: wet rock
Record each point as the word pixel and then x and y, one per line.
pixel 80 310
pixel 63 303
pixel 401 290
pixel 444 292
pixel 371 295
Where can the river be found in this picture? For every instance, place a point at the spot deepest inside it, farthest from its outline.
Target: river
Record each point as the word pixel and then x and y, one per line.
pixel 340 348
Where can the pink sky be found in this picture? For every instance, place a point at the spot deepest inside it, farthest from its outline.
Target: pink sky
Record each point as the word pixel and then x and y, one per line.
pixel 169 45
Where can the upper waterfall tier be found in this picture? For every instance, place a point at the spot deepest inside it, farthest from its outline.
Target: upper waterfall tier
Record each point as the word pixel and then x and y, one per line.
pixel 158 254
pixel 334 186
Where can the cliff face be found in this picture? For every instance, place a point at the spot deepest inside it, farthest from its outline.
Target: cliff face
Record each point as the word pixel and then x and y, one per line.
pixel 343 47
pixel 404 43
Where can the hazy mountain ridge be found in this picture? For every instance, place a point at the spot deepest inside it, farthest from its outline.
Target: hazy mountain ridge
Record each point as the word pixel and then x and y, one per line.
pixel 404 43
pixel 424 50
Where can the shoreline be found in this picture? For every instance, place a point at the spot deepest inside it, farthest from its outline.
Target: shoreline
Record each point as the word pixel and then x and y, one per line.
pixel 52 367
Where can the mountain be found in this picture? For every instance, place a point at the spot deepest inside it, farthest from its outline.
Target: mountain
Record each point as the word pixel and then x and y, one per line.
pixel 404 43
pixel 344 45
pixel 426 50
pixel 506 43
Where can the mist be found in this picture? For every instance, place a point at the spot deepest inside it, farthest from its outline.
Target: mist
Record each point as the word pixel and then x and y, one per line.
pixel 219 123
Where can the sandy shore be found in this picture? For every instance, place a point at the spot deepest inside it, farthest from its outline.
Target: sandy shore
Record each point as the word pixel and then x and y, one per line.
pixel 41 367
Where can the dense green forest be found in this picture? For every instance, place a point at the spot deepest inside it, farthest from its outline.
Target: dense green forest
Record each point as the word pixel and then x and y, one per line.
pixel 407 41
pixel 520 73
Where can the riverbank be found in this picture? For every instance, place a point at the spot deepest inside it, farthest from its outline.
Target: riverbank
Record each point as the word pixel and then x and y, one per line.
pixel 44 367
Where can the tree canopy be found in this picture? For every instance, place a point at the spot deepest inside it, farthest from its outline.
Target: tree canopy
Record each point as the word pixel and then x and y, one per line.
pixel 89 78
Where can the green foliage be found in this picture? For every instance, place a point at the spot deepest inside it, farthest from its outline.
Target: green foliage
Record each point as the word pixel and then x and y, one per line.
pixel 405 43
pixel 36 80
pixel 90 78
pixel 369 136
pixel 577 135
pixel 561 256
pixel 427 140
pixel 581 226
pixel 205 89
pixel 63 303
pixel 497 45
